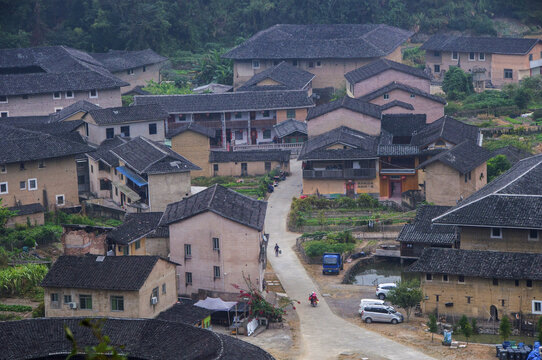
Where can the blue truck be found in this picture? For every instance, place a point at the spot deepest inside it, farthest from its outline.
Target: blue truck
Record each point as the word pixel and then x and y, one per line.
pixel 332 263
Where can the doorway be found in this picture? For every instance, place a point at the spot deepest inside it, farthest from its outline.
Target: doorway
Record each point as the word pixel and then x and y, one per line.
pixel 253 136
pixel 494 313
pixel 244 169
pixel 395 189
pixel 350 189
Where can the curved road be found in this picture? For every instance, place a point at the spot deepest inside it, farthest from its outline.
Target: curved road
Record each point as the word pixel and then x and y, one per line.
pixel 324 335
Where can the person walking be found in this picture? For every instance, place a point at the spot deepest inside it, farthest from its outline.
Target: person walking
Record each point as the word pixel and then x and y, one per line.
pixel 277 249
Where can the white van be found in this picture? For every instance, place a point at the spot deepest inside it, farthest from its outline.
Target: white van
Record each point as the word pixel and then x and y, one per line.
pixel 365 302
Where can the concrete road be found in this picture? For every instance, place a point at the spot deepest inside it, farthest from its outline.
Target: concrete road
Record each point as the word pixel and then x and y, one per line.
pixel 323 334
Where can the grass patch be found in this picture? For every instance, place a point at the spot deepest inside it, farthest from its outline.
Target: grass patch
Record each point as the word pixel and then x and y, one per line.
pixel 15 308
pixel 493 339
pixel 9 317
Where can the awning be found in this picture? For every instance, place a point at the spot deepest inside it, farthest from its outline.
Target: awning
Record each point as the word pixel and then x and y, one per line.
pixel 127 191
pixel 215 304
pixel 138 180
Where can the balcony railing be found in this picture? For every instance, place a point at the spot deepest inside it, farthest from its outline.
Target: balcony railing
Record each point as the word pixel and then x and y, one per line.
pixel 397 171
pixel 340 174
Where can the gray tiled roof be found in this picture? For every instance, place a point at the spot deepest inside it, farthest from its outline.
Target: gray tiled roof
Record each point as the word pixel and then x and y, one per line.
pixel 399 103
pixel 78 106
pixel 329 41
pixel 476 263
pixel 356 105
pixel 235 101
pixel 27 209
pixel 192 126
pixel 289 76
pixel 463 157
pixel 514 199
pixel 128 114
pixel 446 128
pixel 18 145
pixel 379 66
pixel 395 85
pixel 85 272
pixel 490 45
pixel 403 124
pixel 397 150
pixel 423 231
pixel 359 145
pixel 119 60
pixel 134 227
pixel 223 202
pixel 249 155
pixel 512 153
pixel 289 127
pixel 49 69
pixel 102 152
pixel 146 156
pixel 45 338
pixel 184 311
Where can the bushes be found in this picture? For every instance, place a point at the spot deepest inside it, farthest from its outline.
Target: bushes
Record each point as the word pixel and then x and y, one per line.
pixel 21 279
pixel 414 57
pixel 30 236
pixel 15 308
pixel 457 84
pixel 312 203
pixel 319 247
pixel 39 311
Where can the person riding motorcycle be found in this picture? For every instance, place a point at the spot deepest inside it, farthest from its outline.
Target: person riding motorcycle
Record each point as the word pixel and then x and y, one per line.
pixel 313 299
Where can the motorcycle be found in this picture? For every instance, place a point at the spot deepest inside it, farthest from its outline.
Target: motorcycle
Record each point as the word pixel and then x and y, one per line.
pixel 314 301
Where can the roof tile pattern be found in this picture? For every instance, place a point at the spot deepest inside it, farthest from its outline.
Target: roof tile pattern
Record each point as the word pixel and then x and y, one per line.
pixel 490 45
pixel 289 76
pixel 289 127
pixel 356 105
pixel 399 86
pixel 128 114
pixel 379 66
pixel 448 129
pixel 463 157
pixel 424 232
pixel 192 126
pixel 134 227
pixel 119 60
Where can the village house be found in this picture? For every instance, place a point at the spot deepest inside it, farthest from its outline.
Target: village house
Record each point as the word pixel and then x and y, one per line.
pixel 249 163
pixel 492 61
pixel 282 76
pixel 462 168
pixel 421 233
pixel 33 214
pixel 136 68
pixel 128 121
pixel 38 167
pixel 291 132
pixel 185 311
pixel 217 258
pixel 139 175
pixel 238 118
pixel 497 269
pixel 43 80
pixel 114 286
pixel 328 51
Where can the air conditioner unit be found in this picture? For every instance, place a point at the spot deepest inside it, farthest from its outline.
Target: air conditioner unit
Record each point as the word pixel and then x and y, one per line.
pixel 73 305
pixel 154 300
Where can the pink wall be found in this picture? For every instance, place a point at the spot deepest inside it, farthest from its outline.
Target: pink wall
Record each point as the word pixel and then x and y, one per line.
pixel 343 117
pixel 422 105
pixel 378 81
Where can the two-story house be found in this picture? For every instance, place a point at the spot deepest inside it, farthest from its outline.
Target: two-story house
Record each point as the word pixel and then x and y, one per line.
pixel 238 118
pixel 328 51
pixel 492 61
pixel 282 76
pixel 220 257
pixel 43 80
pixel 109 286
pixel 136 68
pixel 249 163
pixel 497 269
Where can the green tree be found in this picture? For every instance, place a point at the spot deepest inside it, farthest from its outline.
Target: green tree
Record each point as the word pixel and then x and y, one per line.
pixel 539 328
pixel 214 68
pixel 522 97
pixel 466 327
pixel 5 214
pixel 432 325
pixel 474 326
pixel 496 166
pixel 407 295
pixel 505 328
pixel 103 351
pixel 457 84
pixel 165 88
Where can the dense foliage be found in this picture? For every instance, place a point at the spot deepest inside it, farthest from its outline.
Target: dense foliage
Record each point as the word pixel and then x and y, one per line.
pixel 457 84
pixel 339 242
pixel 432 325
pixel 167 25
pixel 15 308
pixel 407 295
pixel 505 328
pixel 20 236
pixel 18 280
pixel 496 166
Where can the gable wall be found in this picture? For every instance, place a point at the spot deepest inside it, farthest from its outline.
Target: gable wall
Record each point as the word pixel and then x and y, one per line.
pixel 194 147
pixel 140 77
pixel 422 105
pixel 167 188
pixel 343 117
pixel 384 78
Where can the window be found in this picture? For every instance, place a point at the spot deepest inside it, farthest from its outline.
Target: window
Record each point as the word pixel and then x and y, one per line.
pixel 482 56
pixel 116 191
pixel 516 282
pixel 472 56
pixel 530 57
pixel 105 185
pixel 455 55
pixel 25 96
pixel 67 299
pixel 187 251
pixel 267 166
pixel 152 129
pixel 294 62
pixel 445 278
pixel 109 133
pixel 125 131
pixel 85 302
pixel 537 307
pixel 529 283
pixel 144 68
pixel 3 188
pixel 215 167
pixel 533 234
pixel 3 99
pixel 216 272
pixel 468 299
pixel 461 279
pixel 255 64
pixel 265 113
pixel 21 166
pixel 60 199
pixel 216 244
pixel 163 288
pixel 117 303
pixel 290 113
pixel 130 71
pixel 436 53
pixel 239 135
pixel 3 169
pixel 58 109
pixel 386 96
pixel 437 68
pixel 495 282
pixel 437 297
pixel 508 74
pixel 32 184
pixel 496 233
pixel 4 114
pixel 138 244
pixel 266 134
pixel 41 164
pixel 56 95
pixel 238 115
pixel 93 94
pixel 428 277
pixel 155 293
pixel 125 250
pixel 54 301
pixel 69 94
pixel 412 96
pixel 22 185
pixel 91 168
pixel 188 278
pixel 318 64
pixel 311 64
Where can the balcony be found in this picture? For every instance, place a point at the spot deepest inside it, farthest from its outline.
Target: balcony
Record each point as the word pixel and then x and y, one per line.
pixel 395 171
pixel 535 63
pixel 340 174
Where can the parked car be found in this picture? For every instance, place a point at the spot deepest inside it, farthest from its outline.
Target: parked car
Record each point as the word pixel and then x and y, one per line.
pixel 382 290
pixel 381 313
pixel 366 302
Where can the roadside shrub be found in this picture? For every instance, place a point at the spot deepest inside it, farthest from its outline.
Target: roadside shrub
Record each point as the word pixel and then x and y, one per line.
pixel 319 247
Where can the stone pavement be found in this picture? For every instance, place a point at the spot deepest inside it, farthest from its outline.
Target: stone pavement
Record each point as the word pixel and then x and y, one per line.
pixel 323 334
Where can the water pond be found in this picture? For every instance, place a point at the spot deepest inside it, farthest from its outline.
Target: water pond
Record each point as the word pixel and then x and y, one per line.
pixel 381 271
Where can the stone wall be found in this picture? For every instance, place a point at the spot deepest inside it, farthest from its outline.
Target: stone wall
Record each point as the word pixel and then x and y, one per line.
pixel 83 241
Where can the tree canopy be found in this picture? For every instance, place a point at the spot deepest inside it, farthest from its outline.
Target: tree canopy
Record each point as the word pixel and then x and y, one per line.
pixel 407 295
pixel 457 84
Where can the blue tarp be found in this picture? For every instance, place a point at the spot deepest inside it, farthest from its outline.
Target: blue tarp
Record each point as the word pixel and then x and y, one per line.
pixel 138 180
pixel 535 354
